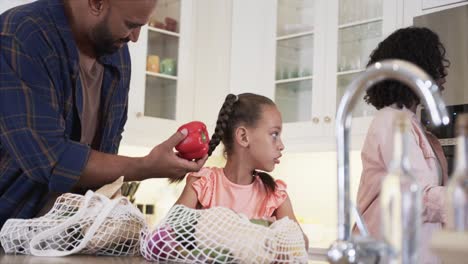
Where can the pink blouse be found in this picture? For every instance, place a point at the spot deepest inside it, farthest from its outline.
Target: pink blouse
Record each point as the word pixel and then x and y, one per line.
pixel 213 188
pixel 428 165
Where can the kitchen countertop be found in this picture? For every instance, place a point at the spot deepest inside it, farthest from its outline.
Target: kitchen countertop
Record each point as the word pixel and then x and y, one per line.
pixel 316 256
pixel 75 259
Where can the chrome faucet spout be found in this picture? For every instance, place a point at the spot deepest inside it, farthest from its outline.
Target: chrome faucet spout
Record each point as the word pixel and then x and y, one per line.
pixel 413 77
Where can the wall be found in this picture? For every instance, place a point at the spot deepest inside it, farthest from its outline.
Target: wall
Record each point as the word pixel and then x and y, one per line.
pixel 7 4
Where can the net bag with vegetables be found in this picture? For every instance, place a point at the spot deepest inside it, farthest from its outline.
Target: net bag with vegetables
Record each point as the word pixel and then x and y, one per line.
pixel 89 224
pixel 219 235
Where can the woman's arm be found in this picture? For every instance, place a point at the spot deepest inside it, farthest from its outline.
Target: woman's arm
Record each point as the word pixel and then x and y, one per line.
pixel 285 209
pixel 434 204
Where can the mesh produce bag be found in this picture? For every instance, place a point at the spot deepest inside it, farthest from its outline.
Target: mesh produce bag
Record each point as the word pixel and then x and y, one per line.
pixel 219 235
pixel 89 224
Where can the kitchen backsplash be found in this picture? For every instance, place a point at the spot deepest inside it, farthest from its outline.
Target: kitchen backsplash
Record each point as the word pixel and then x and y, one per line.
pixel 311 179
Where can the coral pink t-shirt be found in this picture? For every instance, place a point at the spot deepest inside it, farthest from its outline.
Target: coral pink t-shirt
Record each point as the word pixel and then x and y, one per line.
pixel 213 188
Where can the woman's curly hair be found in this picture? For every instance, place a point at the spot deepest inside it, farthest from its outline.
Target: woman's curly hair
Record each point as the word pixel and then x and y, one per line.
pixel 418 45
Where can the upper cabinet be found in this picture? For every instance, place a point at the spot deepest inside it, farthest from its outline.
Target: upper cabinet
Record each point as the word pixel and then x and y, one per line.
pixel 162 53
pixel 423 7
pixel 294 59
pixel 300 53
pixel 426 4
pixel 180 69
pixel 160 95
pixel 354 29
pixel 299 63
pixel 360 29
pixel 307 52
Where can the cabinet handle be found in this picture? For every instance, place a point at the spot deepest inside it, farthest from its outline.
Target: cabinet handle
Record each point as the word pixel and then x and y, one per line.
pixel 139 114
pixel 315 120
pixel 327 119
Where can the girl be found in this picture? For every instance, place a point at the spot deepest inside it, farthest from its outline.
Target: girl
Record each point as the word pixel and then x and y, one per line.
pixel 249 126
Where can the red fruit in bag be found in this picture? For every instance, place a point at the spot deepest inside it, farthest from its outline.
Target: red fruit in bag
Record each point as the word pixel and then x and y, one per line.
pixel 196 144
pixel 162 245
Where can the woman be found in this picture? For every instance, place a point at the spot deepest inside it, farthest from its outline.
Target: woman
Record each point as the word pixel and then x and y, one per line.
pixel 422 47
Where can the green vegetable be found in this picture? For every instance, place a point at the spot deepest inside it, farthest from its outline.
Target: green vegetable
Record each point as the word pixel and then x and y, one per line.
pixel 260 222
pixel 213 256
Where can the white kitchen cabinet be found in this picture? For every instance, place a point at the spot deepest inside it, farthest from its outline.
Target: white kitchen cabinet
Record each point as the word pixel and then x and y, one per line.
pixel 159 103
pixel 450 26
pixel 355 29
pixel 160 96
pixel 427 4
pixel 303 54
pixel 423 7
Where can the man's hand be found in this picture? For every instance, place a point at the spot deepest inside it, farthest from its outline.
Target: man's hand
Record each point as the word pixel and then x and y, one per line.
pixel 163 162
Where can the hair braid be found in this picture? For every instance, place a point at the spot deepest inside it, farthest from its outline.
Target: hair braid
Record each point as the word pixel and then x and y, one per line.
pixel 222 122
pixel 268 181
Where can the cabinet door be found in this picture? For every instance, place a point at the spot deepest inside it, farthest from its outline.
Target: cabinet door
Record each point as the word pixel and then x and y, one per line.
pixel 318 47
pixel 299 60
pixel 294 60
pixel 427 4
pixel 160 96
pixel 280 36
pixel 424 7
pixel 356 27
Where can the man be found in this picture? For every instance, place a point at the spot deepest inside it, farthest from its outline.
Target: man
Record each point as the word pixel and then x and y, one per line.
pixel 64 80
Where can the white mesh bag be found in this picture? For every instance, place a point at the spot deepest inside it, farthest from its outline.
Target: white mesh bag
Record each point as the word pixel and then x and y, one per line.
pixel 89 224
pixel 219 235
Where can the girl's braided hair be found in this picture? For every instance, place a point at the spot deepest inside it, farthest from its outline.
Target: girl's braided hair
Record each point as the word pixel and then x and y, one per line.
pixel 418 45
pixel 244 109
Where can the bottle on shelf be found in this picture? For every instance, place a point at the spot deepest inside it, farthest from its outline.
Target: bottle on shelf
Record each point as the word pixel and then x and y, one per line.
pixel 401 199
pixel 152 63
pixel 457 189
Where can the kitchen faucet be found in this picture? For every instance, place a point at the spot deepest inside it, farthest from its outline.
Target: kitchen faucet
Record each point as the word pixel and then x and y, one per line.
pixel 347 249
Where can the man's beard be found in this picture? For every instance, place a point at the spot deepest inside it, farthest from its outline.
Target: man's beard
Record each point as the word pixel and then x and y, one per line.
pixel 103 41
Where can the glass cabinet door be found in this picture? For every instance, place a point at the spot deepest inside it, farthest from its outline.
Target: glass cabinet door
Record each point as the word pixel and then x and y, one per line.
pixel 161 80
pixel 294 59
pixel 360 26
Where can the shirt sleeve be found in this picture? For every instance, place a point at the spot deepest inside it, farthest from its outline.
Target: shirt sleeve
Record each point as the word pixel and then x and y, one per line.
pixel 277 198
pixel 32 125
pixel 433 195
pixel 204 186
pixel 376 156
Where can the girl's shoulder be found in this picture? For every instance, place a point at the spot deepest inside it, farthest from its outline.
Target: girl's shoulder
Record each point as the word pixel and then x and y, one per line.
pixel 204 183
pixel 280 185
pixel 276 198
pixel 206 174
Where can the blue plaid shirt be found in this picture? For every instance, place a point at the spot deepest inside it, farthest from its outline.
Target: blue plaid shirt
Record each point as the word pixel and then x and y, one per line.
pixel 41 104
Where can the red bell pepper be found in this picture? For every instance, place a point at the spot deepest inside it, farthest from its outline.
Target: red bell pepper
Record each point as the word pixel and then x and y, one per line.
pixel 195 145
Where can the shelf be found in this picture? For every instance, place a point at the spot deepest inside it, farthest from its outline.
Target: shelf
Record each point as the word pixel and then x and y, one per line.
pixel 361 22
pixel 163 31
pixel 298 79
pixel 160 75
pixel 295 35
pixel 349 72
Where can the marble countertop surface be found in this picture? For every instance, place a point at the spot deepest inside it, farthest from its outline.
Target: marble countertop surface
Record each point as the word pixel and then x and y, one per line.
pixel 316 256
